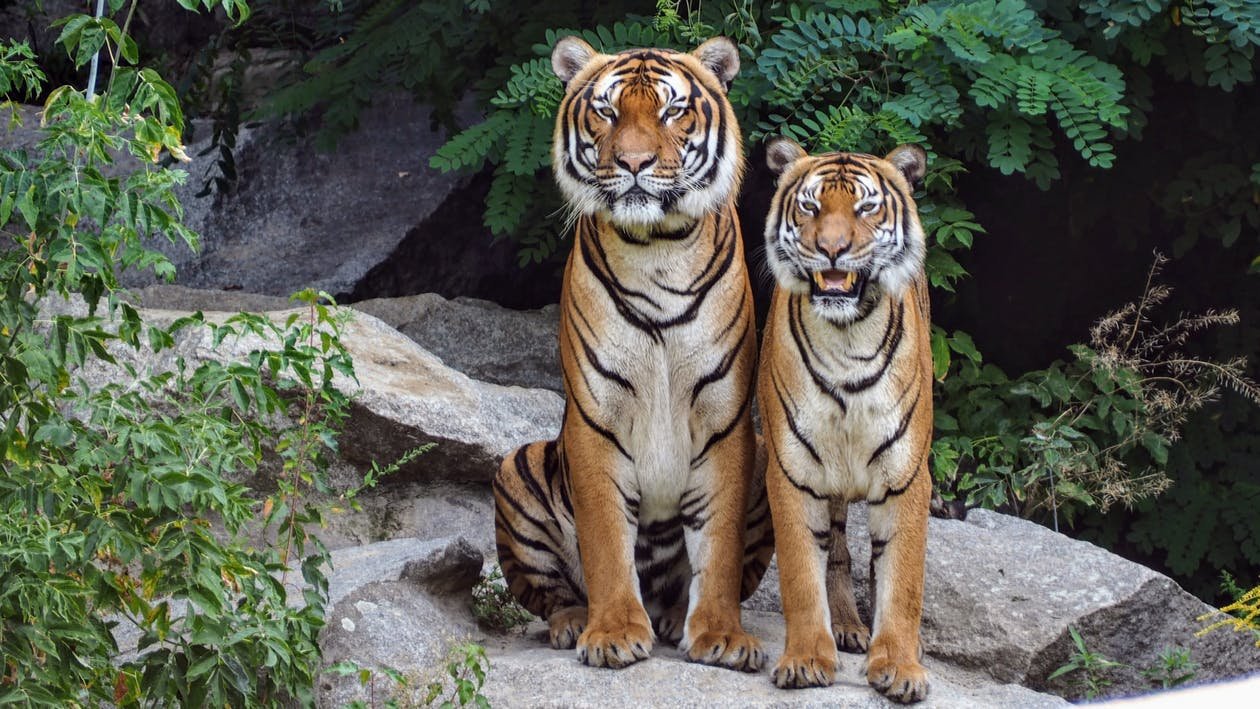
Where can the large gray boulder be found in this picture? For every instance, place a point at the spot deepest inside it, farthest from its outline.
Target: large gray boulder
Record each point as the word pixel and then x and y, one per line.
pixel 403 397
pixel 303 218
pixel 1001 592
pixel 484 340
pixel 404 604
pixel 479 338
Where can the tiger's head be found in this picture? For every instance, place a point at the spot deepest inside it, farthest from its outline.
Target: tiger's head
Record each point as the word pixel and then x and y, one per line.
pixel 647 137
pixel 843 227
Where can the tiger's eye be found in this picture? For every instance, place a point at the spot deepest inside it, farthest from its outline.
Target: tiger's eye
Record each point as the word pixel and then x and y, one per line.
pixel 868 209
pixel 674 111
pixel 606 112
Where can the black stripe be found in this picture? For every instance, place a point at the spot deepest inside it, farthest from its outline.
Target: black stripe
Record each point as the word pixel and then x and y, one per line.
pixel 722 434
pixel 600 368
pixel 601 430
pixel 803 488
pixel 822 539
pixel 791 420
pixel 902 426
pixel 723 368
pixel 895 321
pixel 805 349
pixel 870 380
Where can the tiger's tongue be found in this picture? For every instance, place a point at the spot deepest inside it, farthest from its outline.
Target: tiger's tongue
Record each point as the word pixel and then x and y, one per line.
pixel 835 280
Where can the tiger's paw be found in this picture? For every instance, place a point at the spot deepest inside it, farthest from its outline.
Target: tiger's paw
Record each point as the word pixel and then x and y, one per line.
pixel 565 625
pixel 614 648
pixel 851 638
pixel 905 682
pixel 734 649
pixel 670 626
pixel 800 671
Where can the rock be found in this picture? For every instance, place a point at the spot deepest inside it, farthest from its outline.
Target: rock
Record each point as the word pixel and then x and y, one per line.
pixel 453 253
pixel 477 337
pixel 441 565
pixel 303 218
pixel 404 397
pixel 396 604
pixel 1001 593
pixel 403 604
pixel 525 672
pixel 481 339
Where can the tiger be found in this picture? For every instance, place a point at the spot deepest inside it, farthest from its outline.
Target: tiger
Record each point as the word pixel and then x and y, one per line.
pixel 844 390
pixel 647 517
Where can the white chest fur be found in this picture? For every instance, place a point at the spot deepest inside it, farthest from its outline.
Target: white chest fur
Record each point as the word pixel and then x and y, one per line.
pixel 852 440
pixel 657 324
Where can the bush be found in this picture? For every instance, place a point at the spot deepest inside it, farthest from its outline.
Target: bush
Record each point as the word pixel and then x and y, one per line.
pixel 120 502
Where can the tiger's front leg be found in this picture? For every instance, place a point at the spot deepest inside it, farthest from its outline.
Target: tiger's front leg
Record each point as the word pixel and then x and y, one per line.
pixel 898 551
pixel 802 523
pixel 618 631
pixel 713 511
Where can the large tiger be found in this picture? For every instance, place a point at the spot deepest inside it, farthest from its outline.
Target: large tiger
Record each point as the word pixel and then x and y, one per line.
pixel 647 513
pixel 845 392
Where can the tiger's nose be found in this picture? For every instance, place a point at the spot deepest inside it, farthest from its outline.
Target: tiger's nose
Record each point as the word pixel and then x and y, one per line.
pixel 834 248
pixel 635 162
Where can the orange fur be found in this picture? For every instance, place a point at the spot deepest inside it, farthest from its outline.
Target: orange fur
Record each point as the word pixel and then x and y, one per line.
pixel 648 512
pixel 845 391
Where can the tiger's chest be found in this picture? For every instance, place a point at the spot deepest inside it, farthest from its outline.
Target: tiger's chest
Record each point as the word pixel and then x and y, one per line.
pixel 652 342
pixel 861 449
pixel 857 393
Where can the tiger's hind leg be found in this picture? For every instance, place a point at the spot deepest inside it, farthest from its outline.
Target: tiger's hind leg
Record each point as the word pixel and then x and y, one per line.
pixel 537 545
pixel 850 632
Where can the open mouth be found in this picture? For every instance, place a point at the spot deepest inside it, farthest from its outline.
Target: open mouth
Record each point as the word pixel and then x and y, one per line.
pixel 838 284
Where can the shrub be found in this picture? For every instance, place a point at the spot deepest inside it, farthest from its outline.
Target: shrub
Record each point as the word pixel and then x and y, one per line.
pixel 120 502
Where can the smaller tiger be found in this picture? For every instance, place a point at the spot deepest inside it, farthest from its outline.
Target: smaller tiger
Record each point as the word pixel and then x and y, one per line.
pixel 845 392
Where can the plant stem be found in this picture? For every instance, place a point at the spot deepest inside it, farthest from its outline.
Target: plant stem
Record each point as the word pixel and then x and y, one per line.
pixel 96 58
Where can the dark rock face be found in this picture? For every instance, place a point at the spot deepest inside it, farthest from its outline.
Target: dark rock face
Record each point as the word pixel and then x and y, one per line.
pixel 453 254
pixel 302 218
pixel 479 338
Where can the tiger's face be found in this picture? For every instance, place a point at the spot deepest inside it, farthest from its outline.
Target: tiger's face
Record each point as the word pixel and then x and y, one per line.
pixel 646 137
pixel 843 227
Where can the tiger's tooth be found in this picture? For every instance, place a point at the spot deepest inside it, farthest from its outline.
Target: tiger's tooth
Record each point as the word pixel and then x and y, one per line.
pixel 820 280
pixel 849 278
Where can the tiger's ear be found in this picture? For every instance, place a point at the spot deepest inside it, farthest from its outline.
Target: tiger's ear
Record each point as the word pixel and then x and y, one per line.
pixel 781 153
pixel 570 55
pixel 911 160
pixel 720 56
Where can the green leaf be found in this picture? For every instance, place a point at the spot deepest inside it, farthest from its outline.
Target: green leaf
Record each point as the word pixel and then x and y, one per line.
pixel 940 353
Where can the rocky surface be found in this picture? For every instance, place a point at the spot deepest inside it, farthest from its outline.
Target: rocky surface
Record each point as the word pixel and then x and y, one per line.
pixel 406 617
pixel 477 337
pixel 1001 592
pixel 302 218
pixel 404 397
pixel 1000 595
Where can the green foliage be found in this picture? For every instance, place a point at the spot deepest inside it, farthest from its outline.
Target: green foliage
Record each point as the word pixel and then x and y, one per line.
pixel 494 606
pixel 120 501
pixel 458 685
pixel 1081 434
pixel 1089 670
pixel 953 76
pixel 1174 667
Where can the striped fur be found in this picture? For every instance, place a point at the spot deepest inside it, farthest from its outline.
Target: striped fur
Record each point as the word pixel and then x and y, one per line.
pixel 845 391
pixel 648 515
